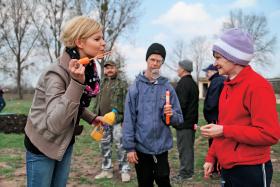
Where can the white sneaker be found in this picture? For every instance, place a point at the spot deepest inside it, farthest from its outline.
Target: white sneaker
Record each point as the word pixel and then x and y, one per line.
pixel 104 175
pixel 125 177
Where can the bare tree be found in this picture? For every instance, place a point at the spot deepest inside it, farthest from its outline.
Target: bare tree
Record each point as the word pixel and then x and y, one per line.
pixel 19 35
pixel 178 53
pixel 120 59
pixel 116 16
pixel 256 25
pixel 49 25
pixel 199 53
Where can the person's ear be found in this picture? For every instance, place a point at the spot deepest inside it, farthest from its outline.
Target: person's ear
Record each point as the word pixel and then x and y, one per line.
pixel 80 43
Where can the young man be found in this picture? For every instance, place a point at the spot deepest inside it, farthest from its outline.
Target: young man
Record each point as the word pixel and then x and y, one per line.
pixel 188 94
pixel 112 96
pixel 248 123
pixel 146 136
pixel 211 102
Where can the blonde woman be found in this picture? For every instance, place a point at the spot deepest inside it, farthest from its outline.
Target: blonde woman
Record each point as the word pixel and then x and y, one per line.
pixel 61 96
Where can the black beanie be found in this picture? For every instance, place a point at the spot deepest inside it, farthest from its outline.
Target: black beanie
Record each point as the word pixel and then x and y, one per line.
pixel 156 48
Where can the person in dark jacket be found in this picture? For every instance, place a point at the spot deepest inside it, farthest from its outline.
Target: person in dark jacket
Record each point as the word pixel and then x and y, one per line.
pixel 211 102
pixel 187 92
pixel 2 101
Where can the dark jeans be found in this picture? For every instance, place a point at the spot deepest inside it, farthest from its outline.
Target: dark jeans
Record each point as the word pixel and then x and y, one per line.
pixel 248 176
pixel 185 145
pixel 152 168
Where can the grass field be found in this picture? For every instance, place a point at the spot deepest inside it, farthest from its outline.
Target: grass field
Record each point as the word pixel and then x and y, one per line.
pixel 86 159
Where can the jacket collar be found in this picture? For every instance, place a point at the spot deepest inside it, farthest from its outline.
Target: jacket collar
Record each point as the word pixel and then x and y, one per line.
pixel 214 76
pixel 187 76
pixel 242 75
pixel 141 77
pixel 64 60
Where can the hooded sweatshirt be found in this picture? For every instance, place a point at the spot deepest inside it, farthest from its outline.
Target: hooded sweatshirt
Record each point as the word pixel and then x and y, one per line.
pixel 144 127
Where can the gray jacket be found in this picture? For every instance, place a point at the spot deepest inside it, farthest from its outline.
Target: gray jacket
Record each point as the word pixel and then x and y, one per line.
pixel 53 113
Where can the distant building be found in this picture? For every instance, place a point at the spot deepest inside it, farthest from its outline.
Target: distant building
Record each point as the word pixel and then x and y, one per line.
pixel 203 84
pixel 276 86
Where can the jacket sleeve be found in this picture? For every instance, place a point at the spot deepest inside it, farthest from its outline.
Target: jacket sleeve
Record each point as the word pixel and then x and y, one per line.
pixel 264 128
pixel 88 116
pixel 177 117
pixel 188 96
pixel 129 123
pixel 211 157
pixel 61 103
pixel 182 94
pixel 210 109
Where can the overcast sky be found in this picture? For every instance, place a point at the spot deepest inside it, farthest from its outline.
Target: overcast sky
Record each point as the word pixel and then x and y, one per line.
pixel 166 21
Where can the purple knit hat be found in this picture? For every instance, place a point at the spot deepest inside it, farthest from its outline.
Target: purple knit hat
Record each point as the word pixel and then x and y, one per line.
pixel 236 46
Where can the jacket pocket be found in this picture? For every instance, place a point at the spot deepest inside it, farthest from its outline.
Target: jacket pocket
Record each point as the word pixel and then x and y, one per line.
pixel 236 146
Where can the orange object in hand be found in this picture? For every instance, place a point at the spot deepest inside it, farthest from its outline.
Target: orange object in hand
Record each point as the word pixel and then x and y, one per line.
pixel 84 61
pixel 167 102
pixel 97 133
pixel 109 118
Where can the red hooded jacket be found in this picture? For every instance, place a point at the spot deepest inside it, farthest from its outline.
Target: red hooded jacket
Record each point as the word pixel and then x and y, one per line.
pixel 247 111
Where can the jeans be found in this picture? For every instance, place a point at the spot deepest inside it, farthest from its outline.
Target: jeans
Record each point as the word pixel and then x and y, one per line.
pixel 43 171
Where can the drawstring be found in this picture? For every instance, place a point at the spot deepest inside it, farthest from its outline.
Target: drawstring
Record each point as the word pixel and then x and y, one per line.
pixel 155 158
pixel 264 175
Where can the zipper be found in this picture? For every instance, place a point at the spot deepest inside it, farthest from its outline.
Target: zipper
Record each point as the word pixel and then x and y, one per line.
pixel 227 90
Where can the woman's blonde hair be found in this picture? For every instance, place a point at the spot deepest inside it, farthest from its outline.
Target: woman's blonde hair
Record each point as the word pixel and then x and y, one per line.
pixel 79 27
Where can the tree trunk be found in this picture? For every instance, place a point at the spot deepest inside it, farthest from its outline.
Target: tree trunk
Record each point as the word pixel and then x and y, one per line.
pixel 19 90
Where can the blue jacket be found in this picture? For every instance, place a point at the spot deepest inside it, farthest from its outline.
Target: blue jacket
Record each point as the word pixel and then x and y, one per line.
pixel 211 102
pixel 144 127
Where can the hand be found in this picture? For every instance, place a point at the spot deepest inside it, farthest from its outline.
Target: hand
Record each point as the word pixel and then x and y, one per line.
pixel 168 110
pixel 132 157
pixel 211 130
pixel 96 121
pixel 77 71
pixel 208 168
